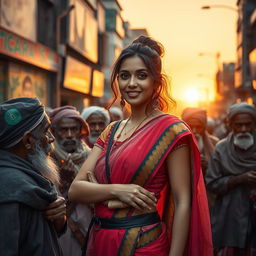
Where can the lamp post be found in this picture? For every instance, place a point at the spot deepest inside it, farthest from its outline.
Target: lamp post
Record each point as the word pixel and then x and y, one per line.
pixel 217 60
pixel 207 7
pixel 61 50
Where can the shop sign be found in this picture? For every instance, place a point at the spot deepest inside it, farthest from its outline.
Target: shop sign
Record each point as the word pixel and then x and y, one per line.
pixel 98 84
pixel 25 50
pixel 27 82
pixel 252 57
pixel 77 76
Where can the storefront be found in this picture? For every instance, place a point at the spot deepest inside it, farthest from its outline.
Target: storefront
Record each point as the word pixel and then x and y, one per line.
pixel 83 82
pixel 27 69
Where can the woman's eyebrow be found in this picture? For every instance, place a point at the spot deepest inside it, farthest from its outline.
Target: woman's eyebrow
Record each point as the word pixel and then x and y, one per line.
pixel 138 70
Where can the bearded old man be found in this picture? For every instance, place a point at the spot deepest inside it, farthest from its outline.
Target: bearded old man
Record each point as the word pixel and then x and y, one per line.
pixel 97 118
pixel 232 177
pixel 196 118
pixel 70 152
pixel 32 215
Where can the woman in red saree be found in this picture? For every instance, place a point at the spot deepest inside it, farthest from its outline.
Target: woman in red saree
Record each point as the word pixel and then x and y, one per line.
pixel 148 191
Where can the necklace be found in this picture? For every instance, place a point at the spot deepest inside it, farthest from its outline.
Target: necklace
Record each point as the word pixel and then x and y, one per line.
pixel 125 132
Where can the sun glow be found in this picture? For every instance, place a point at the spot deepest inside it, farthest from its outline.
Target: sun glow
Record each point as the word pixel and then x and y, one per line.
pixel 192 95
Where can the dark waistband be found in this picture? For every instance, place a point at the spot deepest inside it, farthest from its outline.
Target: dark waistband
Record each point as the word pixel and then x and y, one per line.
pixel 127 222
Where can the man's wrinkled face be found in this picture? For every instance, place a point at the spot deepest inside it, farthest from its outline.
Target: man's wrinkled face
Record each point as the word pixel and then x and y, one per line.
pixel 242 123
pixel 67 133
pixel 243 126
pixel 97 124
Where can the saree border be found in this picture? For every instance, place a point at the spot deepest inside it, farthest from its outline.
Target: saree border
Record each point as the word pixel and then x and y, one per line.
pixel 141 176
pixel 153 158
pixel 128 244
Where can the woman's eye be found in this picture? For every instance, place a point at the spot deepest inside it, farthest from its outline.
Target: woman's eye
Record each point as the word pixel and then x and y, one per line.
pixel 142 75
pixel 124 76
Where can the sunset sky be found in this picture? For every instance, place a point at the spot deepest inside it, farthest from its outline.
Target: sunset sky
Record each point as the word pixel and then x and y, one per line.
pixel 185 30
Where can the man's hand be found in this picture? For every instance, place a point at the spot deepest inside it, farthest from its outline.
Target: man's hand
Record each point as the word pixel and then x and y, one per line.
pixel 56 212
pixel 248 178
pixel 56 209
pixel 67 164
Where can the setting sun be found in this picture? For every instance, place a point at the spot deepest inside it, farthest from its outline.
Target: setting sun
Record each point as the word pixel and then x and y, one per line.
pixel 192 95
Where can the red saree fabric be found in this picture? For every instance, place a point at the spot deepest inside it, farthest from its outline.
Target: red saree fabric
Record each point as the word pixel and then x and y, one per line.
pixel 140 160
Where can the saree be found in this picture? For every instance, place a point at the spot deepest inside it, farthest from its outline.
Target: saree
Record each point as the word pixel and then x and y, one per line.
pixel 140 159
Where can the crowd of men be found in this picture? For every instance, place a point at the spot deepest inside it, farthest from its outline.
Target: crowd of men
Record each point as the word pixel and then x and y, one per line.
pixel 40 155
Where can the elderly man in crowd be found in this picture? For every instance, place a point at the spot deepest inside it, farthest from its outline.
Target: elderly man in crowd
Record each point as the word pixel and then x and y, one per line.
pixel 97 118
pixel 32 215
pixel 116 114
pixel 196 118
pixel 70 152
pixel 232 177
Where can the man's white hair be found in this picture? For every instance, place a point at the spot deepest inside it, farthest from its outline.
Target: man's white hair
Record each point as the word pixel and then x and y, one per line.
pixel 96 110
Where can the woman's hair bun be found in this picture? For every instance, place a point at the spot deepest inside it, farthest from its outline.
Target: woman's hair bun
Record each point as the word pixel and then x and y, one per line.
pixel 148 41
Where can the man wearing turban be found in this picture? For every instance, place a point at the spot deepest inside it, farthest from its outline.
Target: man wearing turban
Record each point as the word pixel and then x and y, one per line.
pixel 97 118
pixel 70 152
pixel 32 214
pixel 196 118
pixel 231 175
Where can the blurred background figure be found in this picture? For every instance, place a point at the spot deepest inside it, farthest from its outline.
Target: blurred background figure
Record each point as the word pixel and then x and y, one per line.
pixel 231 175
pixel 48 110
pixel 211 125
pixel 116 114
pixel 70 152
pixel 196 118
pixel 221 131
pixel 97 118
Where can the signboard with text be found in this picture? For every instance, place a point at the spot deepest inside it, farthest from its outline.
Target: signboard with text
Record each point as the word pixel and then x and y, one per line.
pixel 19 48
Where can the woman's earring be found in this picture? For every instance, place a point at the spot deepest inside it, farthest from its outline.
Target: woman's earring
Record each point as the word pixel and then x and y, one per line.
pixel 122 102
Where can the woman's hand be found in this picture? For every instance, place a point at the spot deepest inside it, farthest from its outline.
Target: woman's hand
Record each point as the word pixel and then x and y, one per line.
pixel 111 204
pixel 135 196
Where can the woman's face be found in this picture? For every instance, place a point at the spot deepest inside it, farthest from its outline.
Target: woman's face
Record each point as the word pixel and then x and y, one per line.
pixel 136 84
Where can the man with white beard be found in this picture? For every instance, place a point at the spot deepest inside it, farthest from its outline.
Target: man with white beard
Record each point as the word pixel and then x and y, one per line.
pixel 97 118
pixel 32 214
pixel 231 175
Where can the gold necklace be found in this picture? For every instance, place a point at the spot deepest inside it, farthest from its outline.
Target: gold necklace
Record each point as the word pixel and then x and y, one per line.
pixel 118 136
pixel 137 127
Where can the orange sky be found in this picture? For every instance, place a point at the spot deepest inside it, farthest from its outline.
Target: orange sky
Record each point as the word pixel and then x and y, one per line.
pixel 185 30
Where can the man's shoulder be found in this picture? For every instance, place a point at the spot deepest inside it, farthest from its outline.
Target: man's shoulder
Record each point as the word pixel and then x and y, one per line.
pixel 221 144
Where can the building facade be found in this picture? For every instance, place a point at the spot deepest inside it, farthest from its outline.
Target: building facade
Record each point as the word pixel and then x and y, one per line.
pixel 243 75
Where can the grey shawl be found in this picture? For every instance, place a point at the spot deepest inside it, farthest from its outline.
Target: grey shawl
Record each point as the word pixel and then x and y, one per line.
pixel 232 215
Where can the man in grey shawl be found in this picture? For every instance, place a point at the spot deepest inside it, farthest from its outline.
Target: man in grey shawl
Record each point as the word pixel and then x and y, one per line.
pixel 70 152
pixel 32 215
pixel 231 175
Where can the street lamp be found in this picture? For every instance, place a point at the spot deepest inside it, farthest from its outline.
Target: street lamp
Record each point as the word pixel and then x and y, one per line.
pixel 217 58
pixel 215 55
pixel 207 7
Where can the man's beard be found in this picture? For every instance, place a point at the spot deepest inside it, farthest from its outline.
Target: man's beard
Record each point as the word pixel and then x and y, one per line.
pixel 243 140
pixel 92 138
pixel 44 163
pixel 69 145
pixel 200 142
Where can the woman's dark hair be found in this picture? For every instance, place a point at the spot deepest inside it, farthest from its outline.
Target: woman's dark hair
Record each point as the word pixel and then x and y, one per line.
pixel 150 52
